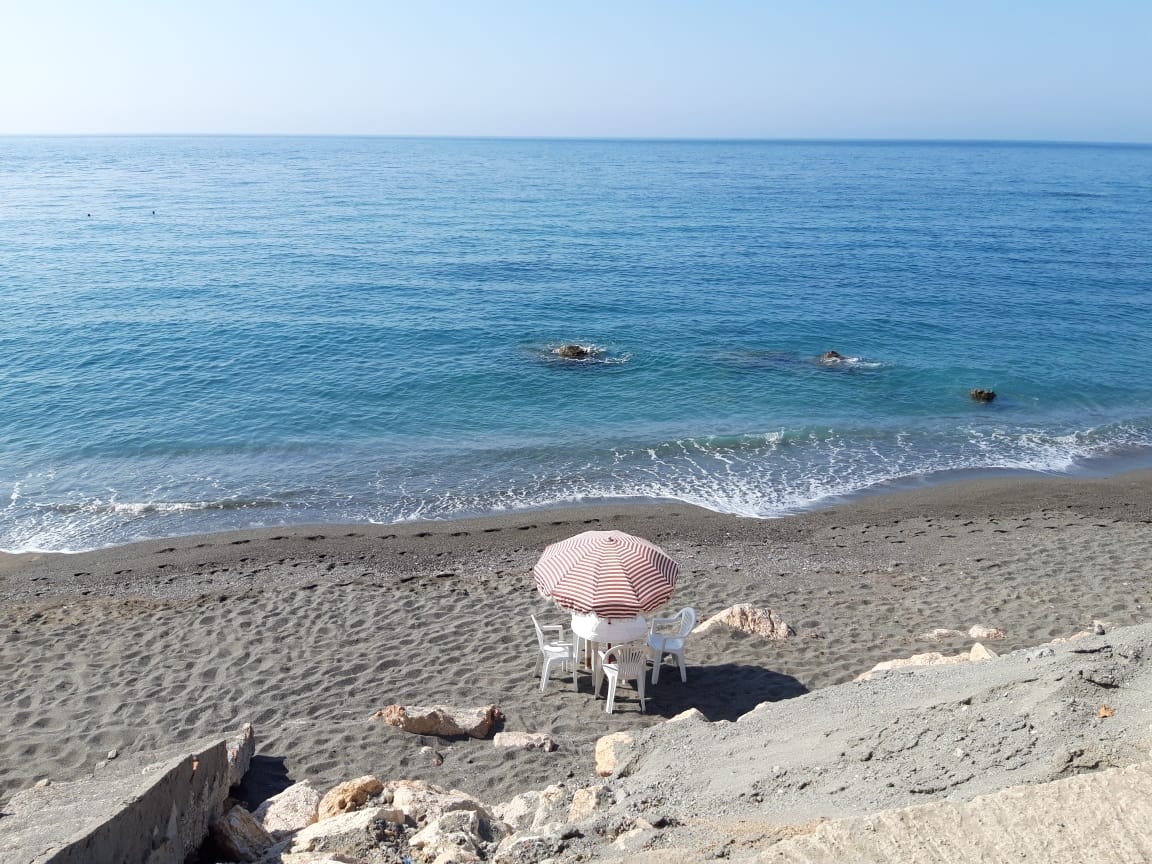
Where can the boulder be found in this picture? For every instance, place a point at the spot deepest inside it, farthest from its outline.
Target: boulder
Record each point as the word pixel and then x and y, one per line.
pixel 240 836
pixel 615 753
pixel 691 715
pixel 296 807
pixel 442 720
pixel 831 356
pixel 419 803
pixel 573 352
pixel 976 631
pixel 460 829
pixel 585 802
pixel 978 652
pixel 525 741
pixel 519 811
pixel 353 834
pixel 552 807
pixel 241 749
pixel 749 619
pixel 980 395
pixel 348 797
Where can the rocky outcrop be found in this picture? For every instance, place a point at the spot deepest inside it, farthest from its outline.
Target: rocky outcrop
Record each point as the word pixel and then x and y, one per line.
pixel 442 720
pixel 749 619
pixel 980 395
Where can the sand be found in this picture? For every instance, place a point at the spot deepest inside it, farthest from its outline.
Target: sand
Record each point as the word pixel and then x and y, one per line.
pixel 306 632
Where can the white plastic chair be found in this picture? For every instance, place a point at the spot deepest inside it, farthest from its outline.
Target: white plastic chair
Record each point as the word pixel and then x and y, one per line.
pixel 557 651
pixel 672 641
pixel 629 662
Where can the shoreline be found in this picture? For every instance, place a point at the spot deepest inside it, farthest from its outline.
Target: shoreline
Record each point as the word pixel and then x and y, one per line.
pixel 306 632
pixel 977 484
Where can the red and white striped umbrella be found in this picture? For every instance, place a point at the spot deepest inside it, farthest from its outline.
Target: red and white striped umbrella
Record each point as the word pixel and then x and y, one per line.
pixel 606 573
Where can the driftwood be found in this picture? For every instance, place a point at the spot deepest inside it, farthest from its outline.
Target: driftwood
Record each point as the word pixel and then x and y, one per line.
pixel 446 721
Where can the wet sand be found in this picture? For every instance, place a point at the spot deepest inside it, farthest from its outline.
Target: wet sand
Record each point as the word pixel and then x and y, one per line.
pixel 305 632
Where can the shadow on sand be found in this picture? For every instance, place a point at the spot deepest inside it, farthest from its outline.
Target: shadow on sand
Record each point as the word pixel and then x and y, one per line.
pixel 721 692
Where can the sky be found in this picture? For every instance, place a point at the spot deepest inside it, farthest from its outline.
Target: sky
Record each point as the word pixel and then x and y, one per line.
pixel 921 69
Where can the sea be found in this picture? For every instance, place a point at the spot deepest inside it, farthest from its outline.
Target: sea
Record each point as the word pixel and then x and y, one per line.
pixel 215 333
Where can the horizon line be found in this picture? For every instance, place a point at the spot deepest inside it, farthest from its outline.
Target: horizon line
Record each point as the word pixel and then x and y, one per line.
pixel 589 138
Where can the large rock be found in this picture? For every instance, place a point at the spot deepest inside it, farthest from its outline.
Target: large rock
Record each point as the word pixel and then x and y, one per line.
pixel 355 834
pixel 585 802
pixel 749 619
pixel 573 352
pixel 460 829
pixel 519 811
pixel 615 754
pixel 240 836
pixel 348 796
pixel 296 807
pixel 446 721
pixel 420 802
pixel 525 741
pixel 977 631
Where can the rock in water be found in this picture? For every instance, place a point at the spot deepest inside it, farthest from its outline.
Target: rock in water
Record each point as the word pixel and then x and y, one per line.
pixel 573 352
pixel 979 395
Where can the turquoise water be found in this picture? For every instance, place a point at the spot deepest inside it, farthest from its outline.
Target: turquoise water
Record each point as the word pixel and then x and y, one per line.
pixel 213 333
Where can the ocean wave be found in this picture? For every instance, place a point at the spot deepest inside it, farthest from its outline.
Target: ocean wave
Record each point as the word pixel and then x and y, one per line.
pixel 764 474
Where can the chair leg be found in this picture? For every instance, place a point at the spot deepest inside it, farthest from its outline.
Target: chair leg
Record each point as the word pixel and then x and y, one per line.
pixel 611 694
pixel 683 670
pixel 656 667
pixel 640 686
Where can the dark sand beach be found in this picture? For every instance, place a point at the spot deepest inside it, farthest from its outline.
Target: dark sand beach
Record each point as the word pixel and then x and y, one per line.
pixel 305 632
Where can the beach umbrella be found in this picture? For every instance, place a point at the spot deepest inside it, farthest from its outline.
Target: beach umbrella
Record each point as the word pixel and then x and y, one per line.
pixel 609 574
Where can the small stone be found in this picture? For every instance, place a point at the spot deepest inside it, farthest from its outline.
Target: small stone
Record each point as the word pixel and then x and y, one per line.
pixel 42 784
pixel 112 754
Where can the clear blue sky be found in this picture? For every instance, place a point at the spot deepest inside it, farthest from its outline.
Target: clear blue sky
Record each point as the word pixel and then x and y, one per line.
pixel 1010 69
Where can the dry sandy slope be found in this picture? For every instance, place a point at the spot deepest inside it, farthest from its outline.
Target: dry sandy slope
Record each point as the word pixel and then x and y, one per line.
pixel 944 734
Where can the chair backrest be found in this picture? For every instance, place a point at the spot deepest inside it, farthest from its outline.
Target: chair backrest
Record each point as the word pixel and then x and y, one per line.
pixel 687 621
pixel 539 633
pixel 631 659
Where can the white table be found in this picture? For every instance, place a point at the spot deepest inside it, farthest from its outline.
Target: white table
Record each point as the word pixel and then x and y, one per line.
pixel 597 632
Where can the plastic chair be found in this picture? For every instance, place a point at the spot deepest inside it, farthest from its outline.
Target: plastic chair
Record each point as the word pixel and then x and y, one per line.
pixel 671 642
pixel 629 662
pixel 557 651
